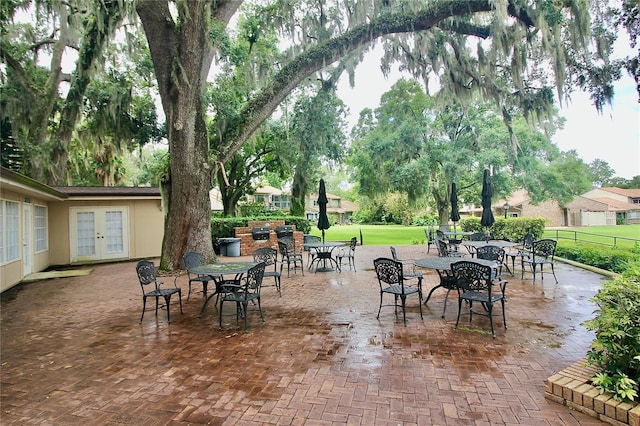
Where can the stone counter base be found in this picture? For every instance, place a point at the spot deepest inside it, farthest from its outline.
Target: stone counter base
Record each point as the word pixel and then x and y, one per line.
pixel 571 387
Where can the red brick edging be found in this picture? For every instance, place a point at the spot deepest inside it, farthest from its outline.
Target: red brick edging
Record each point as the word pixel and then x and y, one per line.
pixel 571 387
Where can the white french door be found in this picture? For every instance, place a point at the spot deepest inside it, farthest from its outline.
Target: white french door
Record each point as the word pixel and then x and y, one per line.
pixel 99 233
pixel 27 247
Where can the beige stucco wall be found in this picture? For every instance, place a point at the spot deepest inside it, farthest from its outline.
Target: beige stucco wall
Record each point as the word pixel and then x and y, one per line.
pixel 12 272
pixel 146 227
pixel 550 210
pixel 600 193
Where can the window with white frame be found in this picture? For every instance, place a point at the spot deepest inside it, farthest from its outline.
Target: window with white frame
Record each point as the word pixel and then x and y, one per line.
pixel 9 231
pixel 40 227
pixel 281 202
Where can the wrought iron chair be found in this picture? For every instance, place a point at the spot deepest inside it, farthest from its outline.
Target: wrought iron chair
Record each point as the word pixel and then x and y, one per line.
pixel 192 259
pixel 244 291
pixel 476 236
pixel 430 237
pixel 146 271
pixel 348 253
pixel 289 255
pixel 521 251
pixel 445 250
pixel 311 255
pixel 392 281
pixel 542 253
pixel 409 273
pixel 494 253
pixel 269 256
pixel 475 284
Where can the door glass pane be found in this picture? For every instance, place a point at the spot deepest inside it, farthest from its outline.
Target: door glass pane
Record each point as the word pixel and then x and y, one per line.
pixel 115 240
pixel 86 234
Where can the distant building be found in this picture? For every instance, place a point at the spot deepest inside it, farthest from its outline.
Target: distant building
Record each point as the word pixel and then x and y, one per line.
pixel 624 202
pixel 339 210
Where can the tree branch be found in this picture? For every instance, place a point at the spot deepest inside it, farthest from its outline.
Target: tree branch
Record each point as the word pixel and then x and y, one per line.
pixel 20 72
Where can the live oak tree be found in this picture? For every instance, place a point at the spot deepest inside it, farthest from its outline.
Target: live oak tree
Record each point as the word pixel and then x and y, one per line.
pixel 519 42
pixel 514 52
pixel 413 146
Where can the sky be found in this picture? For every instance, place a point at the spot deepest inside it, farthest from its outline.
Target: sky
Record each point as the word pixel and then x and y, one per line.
pixel 613 136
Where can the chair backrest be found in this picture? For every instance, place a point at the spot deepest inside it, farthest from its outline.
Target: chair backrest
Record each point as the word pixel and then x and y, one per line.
pixel 253 279
pixel 394 254
pixel 544 249
pixel 388 271
pixel 440 234
pixel 267 255
pixel 285 245
pixel 478 236
pixel 313 239
pixel 472 276
pixel 527 242
pixel 443 248
pixel 192 259
pixel 430 234
pixel 353 243
pixel 490 252
pixel 146 271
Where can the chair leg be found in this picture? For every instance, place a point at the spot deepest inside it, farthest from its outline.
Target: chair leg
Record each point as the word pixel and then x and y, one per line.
pixel 167 300
pixel 379 308
pixel 490 313
pixel 144 306
pixel 404 309
pixel 446 297
pixel 459 310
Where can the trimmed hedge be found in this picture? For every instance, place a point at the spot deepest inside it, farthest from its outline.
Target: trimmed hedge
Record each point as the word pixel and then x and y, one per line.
pixel 607 258
pixel 512 229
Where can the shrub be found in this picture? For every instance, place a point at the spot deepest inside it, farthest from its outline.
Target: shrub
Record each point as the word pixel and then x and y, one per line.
pixel 607 258
pixel 512 229
pixel 616 348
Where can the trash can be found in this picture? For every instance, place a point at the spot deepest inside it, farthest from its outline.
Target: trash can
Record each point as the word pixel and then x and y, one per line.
pixel 229 247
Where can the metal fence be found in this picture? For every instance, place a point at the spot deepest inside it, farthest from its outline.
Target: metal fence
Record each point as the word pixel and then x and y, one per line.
pixel 585 237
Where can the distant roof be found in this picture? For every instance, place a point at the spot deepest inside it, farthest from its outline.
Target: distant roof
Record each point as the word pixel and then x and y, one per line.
pixel 110 191
pixel 616 205
pixel 633 193
pixel 268 190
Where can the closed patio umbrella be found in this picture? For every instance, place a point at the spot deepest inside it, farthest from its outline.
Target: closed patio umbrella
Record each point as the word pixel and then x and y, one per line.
pixel 455 214
pixel 487 192
pixel 323 220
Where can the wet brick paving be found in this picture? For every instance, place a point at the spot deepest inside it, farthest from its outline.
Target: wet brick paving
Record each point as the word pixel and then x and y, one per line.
pixel 73 352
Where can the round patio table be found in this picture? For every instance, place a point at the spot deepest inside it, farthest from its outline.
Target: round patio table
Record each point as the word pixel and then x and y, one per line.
pixel 217 272
pixel 324 253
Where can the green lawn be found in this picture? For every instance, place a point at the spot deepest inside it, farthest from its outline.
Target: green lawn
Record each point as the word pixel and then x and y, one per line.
pixel 402 235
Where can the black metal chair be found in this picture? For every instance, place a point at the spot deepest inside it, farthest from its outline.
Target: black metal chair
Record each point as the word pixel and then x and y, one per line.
pixel 521 251
pixel 311 254
pixel 242 292
pixel 445 250
pixel 392 281
pixel 146 271
pixel 409 273
pixel 476 236
pixel 494 253
pixel 542 253
pixel 289 255
pixel 348 253
pixel 269 256
pixel 192 259
pixel 475 284
pixel 430 237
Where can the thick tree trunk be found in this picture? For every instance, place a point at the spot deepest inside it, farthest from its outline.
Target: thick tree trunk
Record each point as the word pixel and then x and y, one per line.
pixel 181 57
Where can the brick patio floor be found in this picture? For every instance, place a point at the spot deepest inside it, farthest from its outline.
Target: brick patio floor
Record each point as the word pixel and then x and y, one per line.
pixel 73 352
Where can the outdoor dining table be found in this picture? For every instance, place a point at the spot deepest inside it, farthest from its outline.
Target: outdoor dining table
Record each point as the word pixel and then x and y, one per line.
pixel 443 266
pixel 218 271
pixel 324 253
pixel 498 243
pixel 456 234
